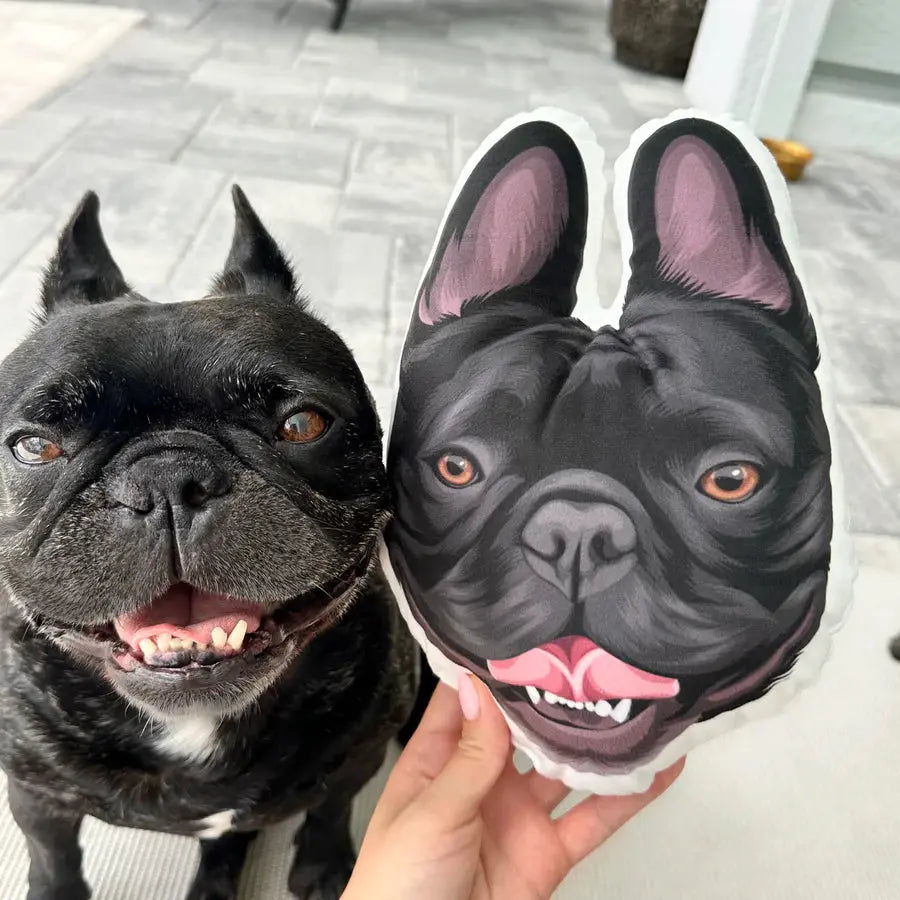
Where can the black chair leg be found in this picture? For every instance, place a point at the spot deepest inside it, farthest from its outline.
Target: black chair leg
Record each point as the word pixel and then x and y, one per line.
pixel 894 647
pixel 340 13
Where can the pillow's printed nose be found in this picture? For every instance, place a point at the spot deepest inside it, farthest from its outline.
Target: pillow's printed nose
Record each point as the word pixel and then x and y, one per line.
pixel 580 548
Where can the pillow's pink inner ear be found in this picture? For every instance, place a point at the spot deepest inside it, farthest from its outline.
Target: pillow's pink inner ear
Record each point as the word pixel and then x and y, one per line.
pixel 700 226
pixel 511 234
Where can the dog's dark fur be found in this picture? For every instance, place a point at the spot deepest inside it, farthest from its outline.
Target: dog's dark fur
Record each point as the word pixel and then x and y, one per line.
pixel 182 403
pixel 600 440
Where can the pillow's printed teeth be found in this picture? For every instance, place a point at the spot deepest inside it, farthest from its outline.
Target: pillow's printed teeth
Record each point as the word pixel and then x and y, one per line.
pixel 619 710
pixel 168 643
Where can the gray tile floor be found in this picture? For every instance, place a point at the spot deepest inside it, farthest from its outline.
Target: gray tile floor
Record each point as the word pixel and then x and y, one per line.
pixel 349 144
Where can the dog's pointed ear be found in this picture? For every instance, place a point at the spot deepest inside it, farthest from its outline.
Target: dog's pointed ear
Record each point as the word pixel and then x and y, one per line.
pixel 702 219
pixel 255 263
pixel 83 270
pixel 516 230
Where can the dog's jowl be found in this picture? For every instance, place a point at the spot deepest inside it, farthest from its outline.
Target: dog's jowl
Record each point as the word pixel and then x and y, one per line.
pixel 195 637
pixel 624 532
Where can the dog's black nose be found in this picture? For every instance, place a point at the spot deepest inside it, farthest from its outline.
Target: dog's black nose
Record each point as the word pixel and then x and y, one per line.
pixel 581 548
pixel 175 479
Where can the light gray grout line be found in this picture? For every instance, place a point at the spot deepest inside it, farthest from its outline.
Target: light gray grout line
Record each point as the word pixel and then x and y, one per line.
pixel 345 182
pixel 52 156
pixel 193 23
pixel 385 364
pixel 5 192
pixel 89 66
pixel 40 161
pixel 451 138
pixel 204 57
pixel 862 447
pixel 64 87
pixel 283 11
pixel 202 122
pixel 51 229
pixel 354 154
pixel 857 530
pixel 198 231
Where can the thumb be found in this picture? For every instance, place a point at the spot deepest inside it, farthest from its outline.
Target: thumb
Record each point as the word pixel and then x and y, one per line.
pixel 478 761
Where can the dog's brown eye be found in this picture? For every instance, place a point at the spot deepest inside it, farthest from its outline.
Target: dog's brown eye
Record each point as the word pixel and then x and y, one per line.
pixel 35 450
pixel 456 470
pixel 303 426
pixel 731 482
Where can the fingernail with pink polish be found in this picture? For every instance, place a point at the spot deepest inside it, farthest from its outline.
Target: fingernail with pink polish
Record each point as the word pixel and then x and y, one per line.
pixel 468 696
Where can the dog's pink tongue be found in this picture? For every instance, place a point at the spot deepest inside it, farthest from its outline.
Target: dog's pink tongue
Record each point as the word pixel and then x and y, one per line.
pixel 187 612
pixel 577 669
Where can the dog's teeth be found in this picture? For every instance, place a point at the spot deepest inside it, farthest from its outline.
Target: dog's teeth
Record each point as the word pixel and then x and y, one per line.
pixel 589 706
pixel 579 704
pixel 186 643
pixel 534 695
pixel 164 641
pixel 602 708
pixel 175 644
pixel 219 638
pixel 621 711
pixel 550 697
pixel 236 638
pixel 148 648
pixel 202 646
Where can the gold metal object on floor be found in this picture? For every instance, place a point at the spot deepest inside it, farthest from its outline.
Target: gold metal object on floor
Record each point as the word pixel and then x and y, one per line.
pixel 792 158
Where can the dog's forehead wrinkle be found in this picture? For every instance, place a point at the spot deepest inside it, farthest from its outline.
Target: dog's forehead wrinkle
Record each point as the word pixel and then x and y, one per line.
pixel 492 327
pixel 66 394
pixel 766 430
pixel 208 325
pixel 525 363
pixel 165 383
pixel 746 328
pixel 746 386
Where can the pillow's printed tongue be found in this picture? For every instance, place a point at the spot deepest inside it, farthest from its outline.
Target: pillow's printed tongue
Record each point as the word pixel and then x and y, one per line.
pixel 575 668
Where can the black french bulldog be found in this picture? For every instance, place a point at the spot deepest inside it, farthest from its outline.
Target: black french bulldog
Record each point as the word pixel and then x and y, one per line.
pixel 627 531
pixel 195 637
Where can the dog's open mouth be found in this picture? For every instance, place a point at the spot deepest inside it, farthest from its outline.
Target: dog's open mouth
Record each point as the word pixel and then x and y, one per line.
pixel 575 682
pixel 578 697
pixel 188 628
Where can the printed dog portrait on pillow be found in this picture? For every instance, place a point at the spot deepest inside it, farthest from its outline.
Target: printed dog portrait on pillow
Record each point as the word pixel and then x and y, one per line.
pixel 625 531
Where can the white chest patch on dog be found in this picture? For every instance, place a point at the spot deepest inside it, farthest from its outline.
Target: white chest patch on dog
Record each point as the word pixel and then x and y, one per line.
pixel 216 825
pixel 192 738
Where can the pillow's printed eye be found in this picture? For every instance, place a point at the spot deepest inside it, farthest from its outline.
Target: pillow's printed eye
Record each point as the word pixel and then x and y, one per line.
pixel 303 426
pixel 731 482
pixel 34 450
pixel 456 470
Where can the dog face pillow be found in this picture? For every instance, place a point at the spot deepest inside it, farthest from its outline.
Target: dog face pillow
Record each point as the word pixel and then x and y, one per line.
pixel 625 528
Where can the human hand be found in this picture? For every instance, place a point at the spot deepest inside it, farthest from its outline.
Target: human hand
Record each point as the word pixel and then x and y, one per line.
pixel 457 821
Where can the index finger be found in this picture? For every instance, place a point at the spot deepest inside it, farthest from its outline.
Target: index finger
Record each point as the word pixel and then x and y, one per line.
pixel 426 754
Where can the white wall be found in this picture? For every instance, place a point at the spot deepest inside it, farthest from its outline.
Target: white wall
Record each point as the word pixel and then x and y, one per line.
pixel 752 59
pixel 824 72
pixel 853 95
pixel 863 33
